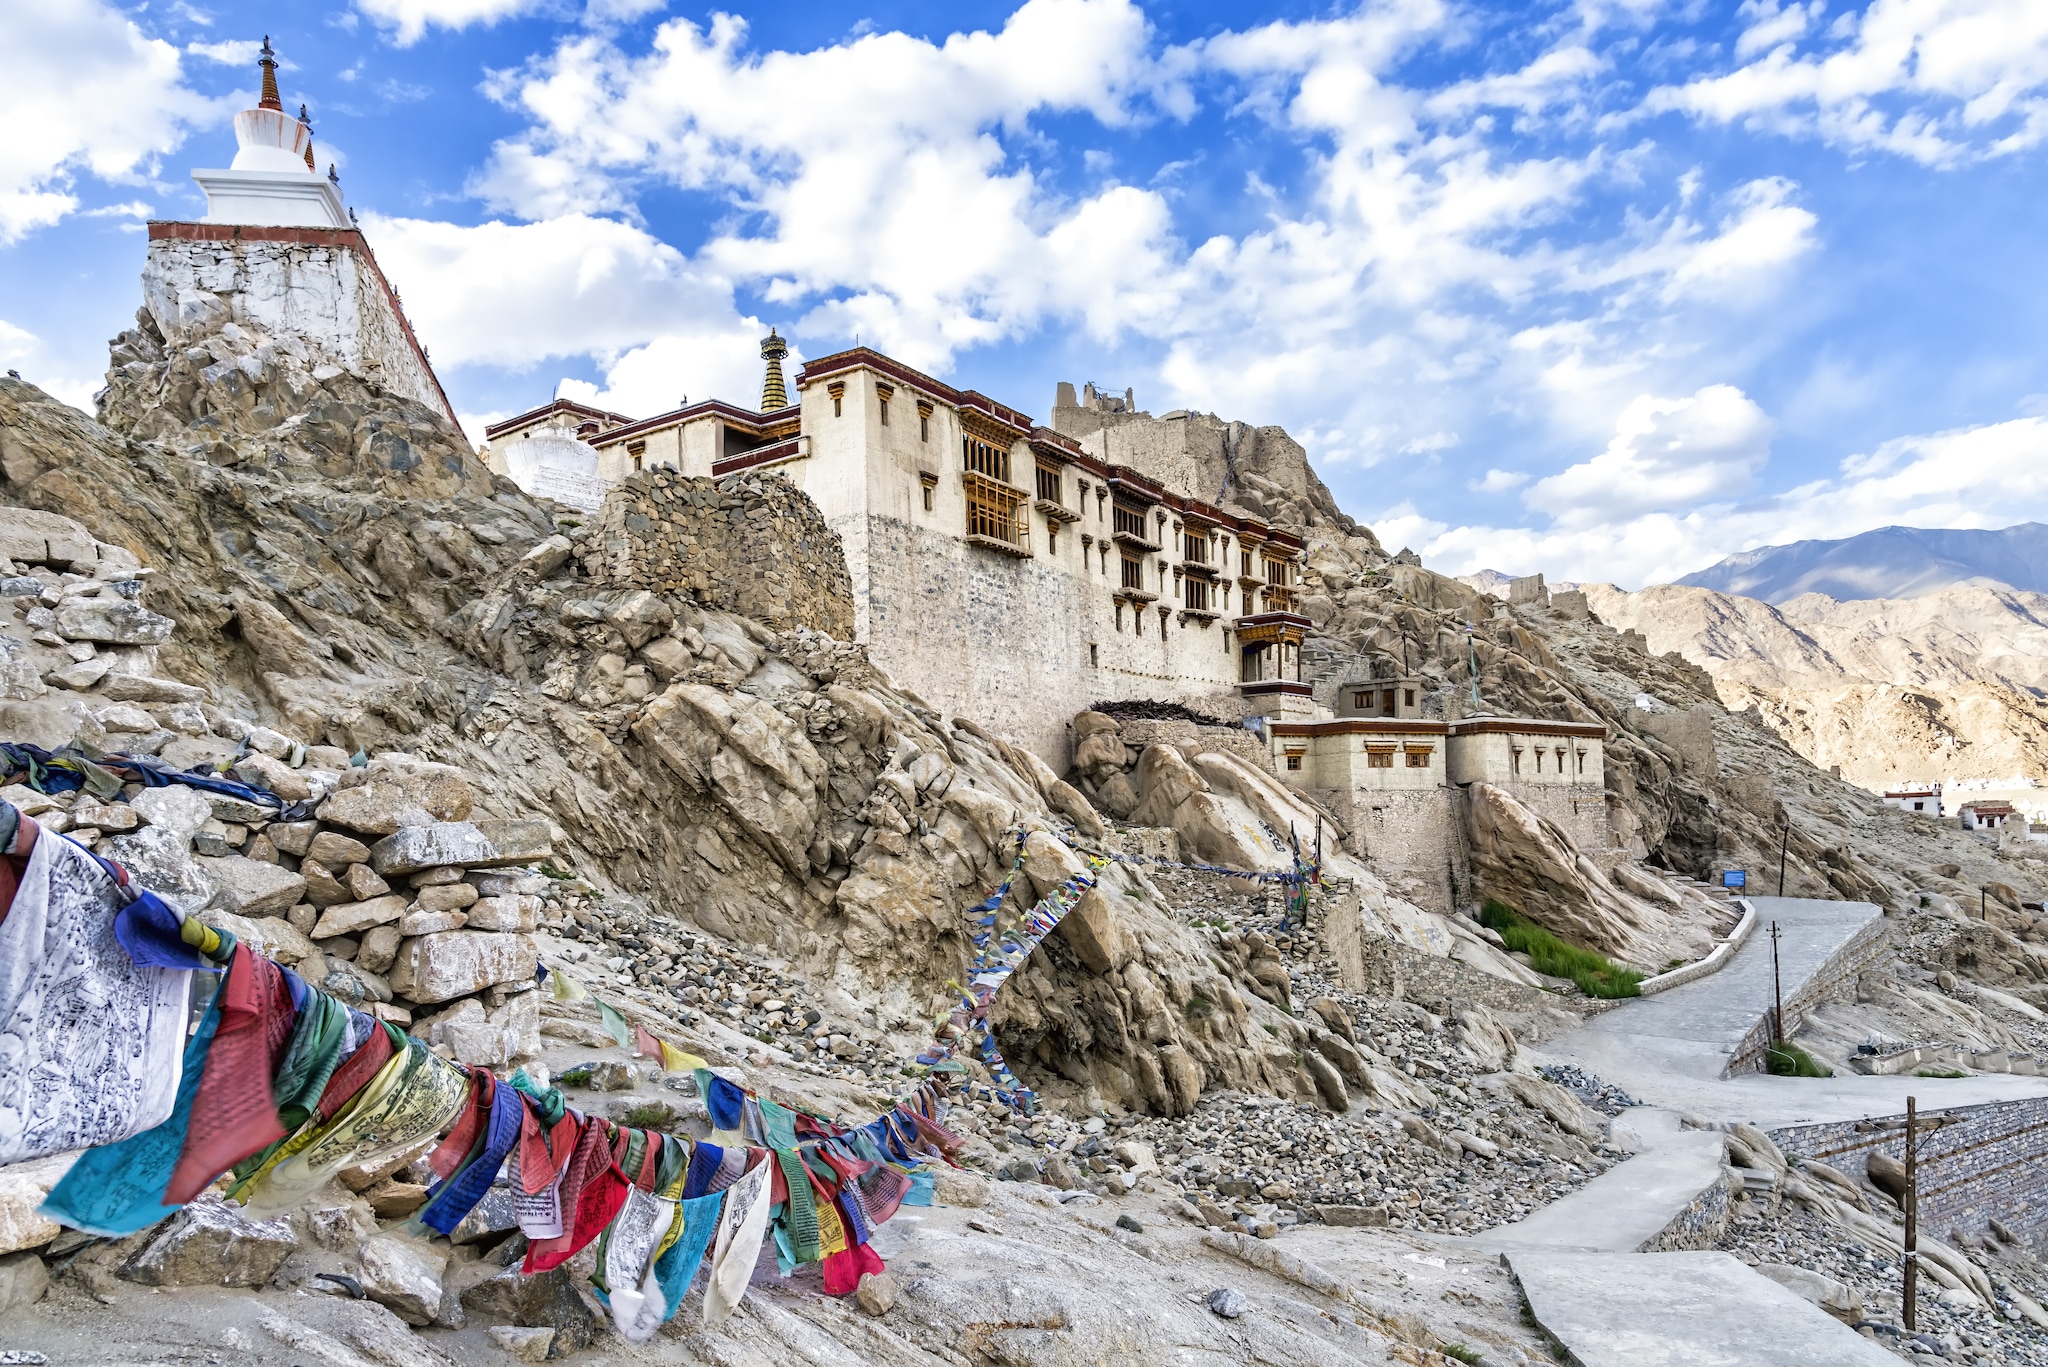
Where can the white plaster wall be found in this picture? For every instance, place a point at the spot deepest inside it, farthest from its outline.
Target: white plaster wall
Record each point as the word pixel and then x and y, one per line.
pixel 1488 757
pixel 317 305
pixel 1006 640
pixel 1339 761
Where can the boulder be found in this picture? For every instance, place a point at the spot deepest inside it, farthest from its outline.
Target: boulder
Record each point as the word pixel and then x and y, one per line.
pixel 518 913
pixel 32 537
pixel 455 963
pixel 1839 1299
pixel 1354 1217
pixel 352 918
pixel 487 1039
pixel 274 937
pixel 22 1189
pixel 363 884
pixel 23 1280
pixel 263 771
pixel 294 837
pixel 211 1243
pixel 445 897
pixel 876 1293
pixel 403 1275
pixel 394 796
pixel 523 1345
pixel 120 686
pixel 481 844
pixel 335 850
pixel 323 889
pixel 379 948
pixel 418 922
pixel 639 617
pixel 548 1301
pixel 252 888
pixel 497 1213
pixel 111 621
pixel 747 754
pixel 176 808
pixel 1529 862
pixel 160 859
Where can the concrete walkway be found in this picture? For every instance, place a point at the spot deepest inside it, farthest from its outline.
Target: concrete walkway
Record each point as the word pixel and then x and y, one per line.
pixel 1670 1050
pixel 1630 1204
pixel 1681 1310
pixel 1577 1259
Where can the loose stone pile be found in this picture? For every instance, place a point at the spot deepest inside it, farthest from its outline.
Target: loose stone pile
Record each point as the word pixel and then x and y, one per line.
pixel 1839 1242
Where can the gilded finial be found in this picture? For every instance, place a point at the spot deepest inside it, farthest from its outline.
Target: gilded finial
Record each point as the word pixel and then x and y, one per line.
pixel 268 61
pixel 773 395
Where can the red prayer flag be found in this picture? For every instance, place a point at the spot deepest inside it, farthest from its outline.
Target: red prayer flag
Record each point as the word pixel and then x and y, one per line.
pixel 234 1113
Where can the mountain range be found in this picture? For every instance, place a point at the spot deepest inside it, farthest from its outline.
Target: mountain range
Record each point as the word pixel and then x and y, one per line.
pixel 1890 562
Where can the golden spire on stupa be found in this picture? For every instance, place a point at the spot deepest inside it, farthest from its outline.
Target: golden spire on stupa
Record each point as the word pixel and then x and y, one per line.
pixel 773 395
pixel 268 61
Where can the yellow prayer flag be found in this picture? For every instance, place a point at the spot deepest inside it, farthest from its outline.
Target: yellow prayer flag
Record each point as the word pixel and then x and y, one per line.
pixel 674 1060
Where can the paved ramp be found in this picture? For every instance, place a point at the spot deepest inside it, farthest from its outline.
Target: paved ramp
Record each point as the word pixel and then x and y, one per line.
pixel 1681 1310
pixel 1631 1203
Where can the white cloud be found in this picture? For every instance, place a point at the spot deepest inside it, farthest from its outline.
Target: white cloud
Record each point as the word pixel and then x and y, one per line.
pixel 84 91
pixel 1986 476
pixel 659 326
pixel 1499 481
pixel 1939 81
pixel 1666 453
pixel 409 20
pixel 904 197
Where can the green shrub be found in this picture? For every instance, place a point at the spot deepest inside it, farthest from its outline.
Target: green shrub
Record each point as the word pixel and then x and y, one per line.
pixel 1595 975
pixel 1940 1072
pixel 1789 1060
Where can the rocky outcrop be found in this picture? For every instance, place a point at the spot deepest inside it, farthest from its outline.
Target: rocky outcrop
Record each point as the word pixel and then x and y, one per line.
pixel 1526 861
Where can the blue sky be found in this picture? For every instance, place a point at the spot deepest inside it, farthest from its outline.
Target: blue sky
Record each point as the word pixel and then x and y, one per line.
pixel 1605 288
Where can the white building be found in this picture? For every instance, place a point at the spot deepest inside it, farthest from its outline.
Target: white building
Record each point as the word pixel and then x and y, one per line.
pixel 1924 798
pixel 999 569
pixel 278 255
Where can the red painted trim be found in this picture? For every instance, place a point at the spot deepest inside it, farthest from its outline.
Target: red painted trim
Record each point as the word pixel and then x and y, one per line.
pixel 346 239
pixel 737 417
pixel 760 455
pixel 534 415
pixel 1361 726
pixel 1528 726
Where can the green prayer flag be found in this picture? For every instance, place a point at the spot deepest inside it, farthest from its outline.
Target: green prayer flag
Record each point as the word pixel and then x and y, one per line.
pixel 615 1024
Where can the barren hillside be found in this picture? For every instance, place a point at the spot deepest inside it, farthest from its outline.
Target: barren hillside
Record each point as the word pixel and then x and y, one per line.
pixel 1944 686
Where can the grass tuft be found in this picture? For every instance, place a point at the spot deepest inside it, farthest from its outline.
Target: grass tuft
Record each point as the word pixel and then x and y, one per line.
pixel 1940 1072
pixel 1595 975
pixel 1458 1352
pixel 1789 1060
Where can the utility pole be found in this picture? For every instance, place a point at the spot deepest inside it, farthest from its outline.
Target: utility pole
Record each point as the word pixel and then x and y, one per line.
pixel 1777 993
pixel 1784 843
pixel 1912 1214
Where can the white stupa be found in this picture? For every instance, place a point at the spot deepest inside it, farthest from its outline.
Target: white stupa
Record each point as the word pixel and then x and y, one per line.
pixel 272 182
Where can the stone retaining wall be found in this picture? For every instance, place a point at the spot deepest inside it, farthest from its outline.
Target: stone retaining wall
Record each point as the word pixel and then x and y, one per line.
pixel 748 544
pixel 1858 953
pixel 1986 1165
pixel 1703 1221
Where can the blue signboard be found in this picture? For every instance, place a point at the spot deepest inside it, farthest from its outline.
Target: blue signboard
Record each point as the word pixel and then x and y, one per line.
pixel 1734 878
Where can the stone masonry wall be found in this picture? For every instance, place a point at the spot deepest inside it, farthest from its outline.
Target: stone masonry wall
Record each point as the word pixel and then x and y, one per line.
pixel 1986 1166
pixel 313 295
pixel 1841 969
pixel 750 544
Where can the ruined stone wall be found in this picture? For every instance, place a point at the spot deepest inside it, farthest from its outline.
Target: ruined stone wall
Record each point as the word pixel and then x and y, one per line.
pixel 1984 1167
pixel 749 544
